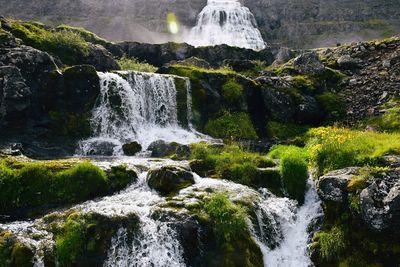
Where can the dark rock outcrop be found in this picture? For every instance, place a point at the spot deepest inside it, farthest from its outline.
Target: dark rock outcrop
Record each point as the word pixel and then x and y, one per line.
pixel 14 94
pixel 101 59
pixel 308 63
pixel 132 148
pixel 169 180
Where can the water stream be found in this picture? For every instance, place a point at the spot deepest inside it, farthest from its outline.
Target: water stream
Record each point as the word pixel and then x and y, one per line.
pixel 142 107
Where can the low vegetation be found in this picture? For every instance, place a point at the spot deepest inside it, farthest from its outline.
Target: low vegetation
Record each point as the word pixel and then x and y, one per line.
pixel 127 63
pixel 231 126
pixel 232 91
pixel 294 175
pixel 331 148
pixel 33 184
pixel 68 45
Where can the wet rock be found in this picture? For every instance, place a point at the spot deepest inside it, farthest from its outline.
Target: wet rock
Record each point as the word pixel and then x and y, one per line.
pixel 333 186
pixel 169 180
pixel 308 63
pixel 132 148
pixel 160 149
pixel 14 252
pixel 201 167
pixel 14 94
pixel 102 148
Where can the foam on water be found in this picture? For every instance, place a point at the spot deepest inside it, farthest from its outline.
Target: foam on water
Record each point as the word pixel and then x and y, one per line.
pixel 226 22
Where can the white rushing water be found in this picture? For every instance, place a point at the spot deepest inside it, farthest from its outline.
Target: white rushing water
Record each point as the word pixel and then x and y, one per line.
pixel 136 106
pixel 293 249
pixel 226 22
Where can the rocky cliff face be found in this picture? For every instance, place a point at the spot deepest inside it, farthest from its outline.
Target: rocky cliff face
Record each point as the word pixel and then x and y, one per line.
pixel 306 23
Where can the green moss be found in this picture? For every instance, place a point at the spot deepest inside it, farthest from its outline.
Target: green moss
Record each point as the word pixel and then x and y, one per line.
pixel 303 83
pixel 69 46
pixel 32 184
pixel 127 63
pixel 231 126
pixel 280 151
pixel 80 183
pixel 232 91
pixel 71 240
pixel 294 175
pixel 333 105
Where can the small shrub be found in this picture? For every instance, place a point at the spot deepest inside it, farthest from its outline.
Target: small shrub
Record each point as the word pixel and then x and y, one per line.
pixel 232 90
pixel 231 126
pixel 294 175
pixel 127 63
pixel 286 130
pixel 229 219
pixel 331 244
pixel 333 105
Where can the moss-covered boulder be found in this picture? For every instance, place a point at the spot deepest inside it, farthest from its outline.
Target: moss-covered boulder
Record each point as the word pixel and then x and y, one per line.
pixel 132 148
pixel 13 252
pixel 169 180
pixel 161 149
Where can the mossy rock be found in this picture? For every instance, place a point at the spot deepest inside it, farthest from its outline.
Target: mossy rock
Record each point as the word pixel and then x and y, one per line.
pixel 132 148
pixel 120 177
pixel 13 252
pixel 169 180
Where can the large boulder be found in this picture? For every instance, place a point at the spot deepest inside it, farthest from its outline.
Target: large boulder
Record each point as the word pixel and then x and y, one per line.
pixel 14 94
pixel 132 148
pixel 161 149
pixel 380 203
pixel 279 105
pixel 169 180
pixel 308 63
pixel 347 62
pixel 333 185
pixel 101 59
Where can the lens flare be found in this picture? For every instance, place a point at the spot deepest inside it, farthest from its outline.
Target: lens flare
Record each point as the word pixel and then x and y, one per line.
pixel 173 25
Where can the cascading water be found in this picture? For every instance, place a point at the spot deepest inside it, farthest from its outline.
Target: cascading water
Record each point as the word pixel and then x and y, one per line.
pixel 136 106
pixel 226 22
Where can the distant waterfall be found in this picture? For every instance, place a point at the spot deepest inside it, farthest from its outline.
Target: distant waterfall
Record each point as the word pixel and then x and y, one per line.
pixel 136 106
pixel 226 22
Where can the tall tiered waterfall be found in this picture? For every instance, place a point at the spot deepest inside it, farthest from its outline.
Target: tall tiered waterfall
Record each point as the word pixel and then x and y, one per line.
pixel 226 22
pixel 142 107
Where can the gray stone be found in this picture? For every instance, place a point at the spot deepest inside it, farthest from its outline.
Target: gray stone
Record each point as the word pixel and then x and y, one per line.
pixel 348 63
pixel 308 63
pixel 333 186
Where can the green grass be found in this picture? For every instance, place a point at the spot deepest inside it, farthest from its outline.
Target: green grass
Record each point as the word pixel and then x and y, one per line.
pixel 189 69
pixel 229 220
pixel 333 105
pixel 389 121
pixel 69 46
pixel 332 148
pixel 85 34
pixel 294 173
pixel 235 164
pixel 331 244
pixel 127 63
pixel 231 126
pixel 232 91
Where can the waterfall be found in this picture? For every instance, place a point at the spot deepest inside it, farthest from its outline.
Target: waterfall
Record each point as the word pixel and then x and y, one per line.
pixel 292 250
pixel 136 106
pixel 226 22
